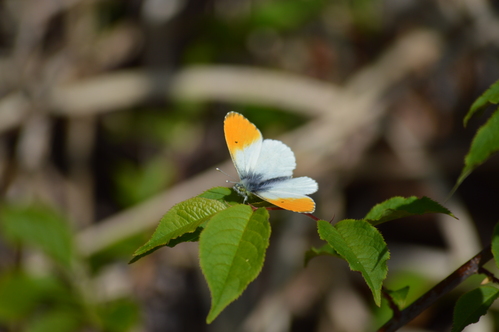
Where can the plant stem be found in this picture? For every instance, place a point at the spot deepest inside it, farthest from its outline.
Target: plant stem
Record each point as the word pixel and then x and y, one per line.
pixel 462 273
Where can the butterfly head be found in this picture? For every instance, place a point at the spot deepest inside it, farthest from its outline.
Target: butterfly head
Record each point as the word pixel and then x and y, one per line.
pixel 241 190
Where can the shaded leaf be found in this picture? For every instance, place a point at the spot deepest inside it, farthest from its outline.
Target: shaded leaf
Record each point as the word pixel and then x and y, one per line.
pixel 21 294
pixel 284 15
pixel 222 194
pixel 39 227
pixel 135 183
pixel 495 244
pixel 324 250
pixel 119 316
pixel 472 305
pixel 399 207
pixel 231 252
pixel 362 246
pixel 399 296
pixel 183 218
pixel 60 320
pixel 484 144
pixel 491 96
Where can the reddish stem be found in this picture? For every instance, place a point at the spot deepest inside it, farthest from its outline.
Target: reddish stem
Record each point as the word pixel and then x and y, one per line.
pixel 467 269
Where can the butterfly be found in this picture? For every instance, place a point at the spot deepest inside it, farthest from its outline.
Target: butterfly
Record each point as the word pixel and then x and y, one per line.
pixel 265 167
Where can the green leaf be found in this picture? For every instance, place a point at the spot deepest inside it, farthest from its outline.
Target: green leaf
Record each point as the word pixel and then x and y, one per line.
pixel 20 294
pixel 495 244
pixel 60 320
pixel 472 305
pixel 491 96
pixel 399 207
pixel 324 250
pixel 399 296
pixel 485 143
pixel 40 227
pixel 285 15
pixel 135 183
pixel 222 194
pixel 362 246
pixel 119 316
pixel 182 218
pixel 231 253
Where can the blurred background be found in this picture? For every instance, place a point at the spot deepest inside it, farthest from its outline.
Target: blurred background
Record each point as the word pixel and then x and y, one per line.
pixel 111 111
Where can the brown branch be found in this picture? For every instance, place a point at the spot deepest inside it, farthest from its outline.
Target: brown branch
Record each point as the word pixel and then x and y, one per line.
pixel 462 273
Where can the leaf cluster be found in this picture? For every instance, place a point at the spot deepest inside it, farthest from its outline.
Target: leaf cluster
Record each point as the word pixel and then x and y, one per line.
pixel 233 237
pixel 52 302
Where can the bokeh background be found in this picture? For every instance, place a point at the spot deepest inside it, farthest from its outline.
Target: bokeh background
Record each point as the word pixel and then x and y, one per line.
pixel 111 111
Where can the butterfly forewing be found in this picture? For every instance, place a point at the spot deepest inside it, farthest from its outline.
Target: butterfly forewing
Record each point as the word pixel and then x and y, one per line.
pixel 276 160
pixel 244 141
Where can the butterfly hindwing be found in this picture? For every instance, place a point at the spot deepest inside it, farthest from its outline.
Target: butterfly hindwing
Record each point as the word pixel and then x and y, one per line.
pixel 290 194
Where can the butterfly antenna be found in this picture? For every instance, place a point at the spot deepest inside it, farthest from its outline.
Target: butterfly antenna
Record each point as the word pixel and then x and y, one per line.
pixel 227 175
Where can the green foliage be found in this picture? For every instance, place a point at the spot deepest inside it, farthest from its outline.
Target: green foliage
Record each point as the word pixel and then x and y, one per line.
pixel 472 305
pixel 285 15
pixel 60 320
pixel 21 294
pixel 362 246
pixel 484 144
pixel 137 183
pixel 183 218
pixel 324 250
pixel 399 296
pixel 491 96
pixel 38 227
pixel 234 238
pixel 53 302
pixel 399 207
pixel 119 316
pixel 231 252
pixel 495 244
pixel 222 194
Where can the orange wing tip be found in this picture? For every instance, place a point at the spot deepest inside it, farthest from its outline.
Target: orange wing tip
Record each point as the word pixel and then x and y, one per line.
pixel 301 205
pixel 239 131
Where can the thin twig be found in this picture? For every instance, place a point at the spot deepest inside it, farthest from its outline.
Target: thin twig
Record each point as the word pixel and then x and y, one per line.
pixel 462 273
pixel 489 275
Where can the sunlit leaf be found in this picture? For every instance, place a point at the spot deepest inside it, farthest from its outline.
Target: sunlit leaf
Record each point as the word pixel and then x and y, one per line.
pixel 232 251
pixel 472 305
pixel 181 219
pixel 399 207
pixel 362 246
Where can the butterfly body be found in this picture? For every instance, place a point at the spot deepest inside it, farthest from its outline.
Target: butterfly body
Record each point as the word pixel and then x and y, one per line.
pixel 265 167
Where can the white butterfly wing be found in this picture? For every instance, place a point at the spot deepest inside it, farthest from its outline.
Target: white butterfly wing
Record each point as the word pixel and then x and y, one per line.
pixel 275 160
pixel 290 188
pixel 290 194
